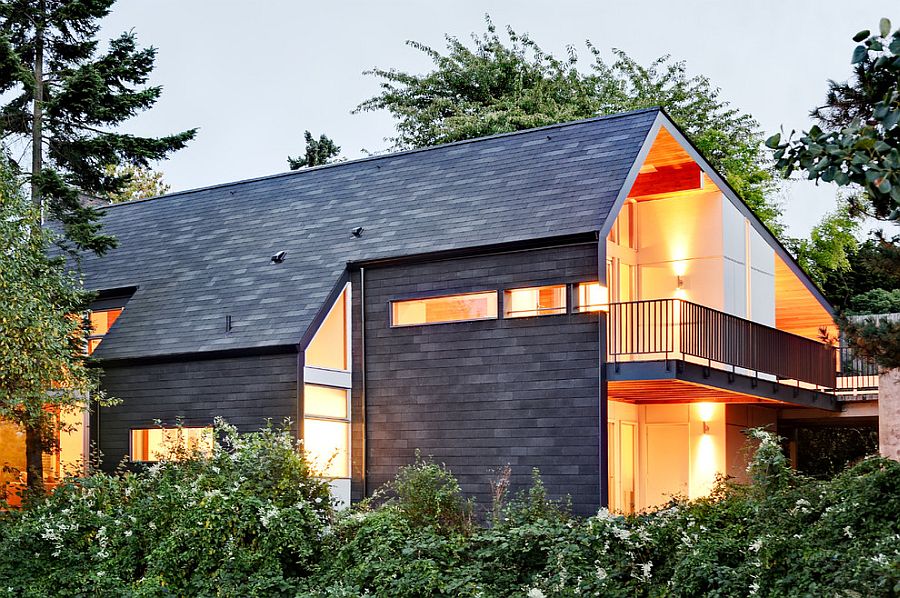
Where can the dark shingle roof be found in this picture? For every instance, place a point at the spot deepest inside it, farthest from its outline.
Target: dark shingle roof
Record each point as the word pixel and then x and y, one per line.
pixel 200 255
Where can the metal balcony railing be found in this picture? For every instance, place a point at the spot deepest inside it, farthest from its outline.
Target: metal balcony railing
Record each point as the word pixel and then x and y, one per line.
pixel 677 329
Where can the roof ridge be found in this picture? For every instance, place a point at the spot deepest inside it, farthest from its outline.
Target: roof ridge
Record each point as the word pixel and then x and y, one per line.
pixel 386 155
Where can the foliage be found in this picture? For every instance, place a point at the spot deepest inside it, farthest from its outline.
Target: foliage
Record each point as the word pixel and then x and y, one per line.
pixel 497 87
pixel 830 244
pixel 63 100
pixel 42 339
pixel 824 451
pixel 876 301
pixel 427 494
pixel 875 338
pixel 318 152
pixel 140 183
pixel 248 519
pixel 865 151
pixel 873 264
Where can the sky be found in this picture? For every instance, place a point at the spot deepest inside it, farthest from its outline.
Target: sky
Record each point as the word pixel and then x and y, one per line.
pixel 252 76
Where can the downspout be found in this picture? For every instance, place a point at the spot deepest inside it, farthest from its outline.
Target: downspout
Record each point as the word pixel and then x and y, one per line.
pixel 362 375
pixel 604 386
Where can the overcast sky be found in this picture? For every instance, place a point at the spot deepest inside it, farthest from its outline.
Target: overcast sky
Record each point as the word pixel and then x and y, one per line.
pixel 253 75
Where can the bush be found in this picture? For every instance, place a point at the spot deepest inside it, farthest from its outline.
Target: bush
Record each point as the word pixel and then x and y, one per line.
pixel 251 520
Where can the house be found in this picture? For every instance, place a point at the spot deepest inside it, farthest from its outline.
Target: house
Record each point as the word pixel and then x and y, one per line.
pixel 590 299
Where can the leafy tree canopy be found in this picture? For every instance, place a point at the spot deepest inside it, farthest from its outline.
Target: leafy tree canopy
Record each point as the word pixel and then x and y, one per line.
pixel 830 244
pixel 496 86
pixel 42 344
pixel 141 183
pixel 62 100
pixel 318 152
pixel 859 141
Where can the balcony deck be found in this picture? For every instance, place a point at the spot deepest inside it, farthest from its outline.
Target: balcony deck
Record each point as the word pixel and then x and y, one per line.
pixel 670 350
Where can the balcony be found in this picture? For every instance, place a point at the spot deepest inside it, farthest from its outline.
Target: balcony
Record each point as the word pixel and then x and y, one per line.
pixel 675 350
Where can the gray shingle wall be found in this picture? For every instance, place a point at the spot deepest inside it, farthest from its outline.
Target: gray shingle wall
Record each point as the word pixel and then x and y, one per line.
pixel 480 395
pixel 201 255
pixel 244 390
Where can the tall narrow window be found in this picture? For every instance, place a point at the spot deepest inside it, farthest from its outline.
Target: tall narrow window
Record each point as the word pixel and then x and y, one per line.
pixel 590 296
pixel 329 346
pixel 101 321
pixel 451 308
pixel 326 429
pixel 534 301
pixel 155 444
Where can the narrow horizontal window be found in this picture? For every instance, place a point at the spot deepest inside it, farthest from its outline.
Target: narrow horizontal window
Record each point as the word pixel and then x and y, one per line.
pixel 172 444
pixel 450 308
pixel 534 301
pixel 590 296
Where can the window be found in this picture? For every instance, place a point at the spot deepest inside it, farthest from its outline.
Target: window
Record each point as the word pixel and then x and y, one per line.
pixel 326 429
pixel 154 444
pixel 590 296
pixel 101 321
pixel 451 308
pixel 534 301
pixel 624 231
pixel 328 348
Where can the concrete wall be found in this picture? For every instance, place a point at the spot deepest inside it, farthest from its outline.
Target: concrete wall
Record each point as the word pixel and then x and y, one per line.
pixel 481 395
pixel 889 414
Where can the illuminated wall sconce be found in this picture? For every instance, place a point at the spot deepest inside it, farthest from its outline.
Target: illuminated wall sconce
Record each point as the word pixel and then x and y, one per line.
pixel 679 287
pixel 706 411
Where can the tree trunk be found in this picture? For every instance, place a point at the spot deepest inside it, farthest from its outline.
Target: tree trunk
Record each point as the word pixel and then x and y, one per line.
pixel 37 125
pixel 34 459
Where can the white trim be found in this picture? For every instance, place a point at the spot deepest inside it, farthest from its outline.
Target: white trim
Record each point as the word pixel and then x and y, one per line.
pixel 632 176
pixel 324 377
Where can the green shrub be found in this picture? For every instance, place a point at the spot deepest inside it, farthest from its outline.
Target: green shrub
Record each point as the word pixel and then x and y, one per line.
pixel 251 520
pixel 248 517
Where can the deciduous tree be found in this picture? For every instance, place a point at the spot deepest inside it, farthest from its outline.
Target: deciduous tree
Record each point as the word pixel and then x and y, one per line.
pixel 42 332
pixel 495 86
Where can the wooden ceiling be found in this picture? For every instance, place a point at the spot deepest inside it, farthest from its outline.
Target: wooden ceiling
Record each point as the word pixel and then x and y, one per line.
pixel 667 171
pixel 796 308
pixel 650 392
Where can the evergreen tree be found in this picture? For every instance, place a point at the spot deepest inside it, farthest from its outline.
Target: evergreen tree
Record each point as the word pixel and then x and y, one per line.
pixel 64 98
pixel 318 152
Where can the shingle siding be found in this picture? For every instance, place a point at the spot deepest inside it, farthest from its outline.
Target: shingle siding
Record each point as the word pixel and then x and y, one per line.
pixel 480 395
pixel 246 391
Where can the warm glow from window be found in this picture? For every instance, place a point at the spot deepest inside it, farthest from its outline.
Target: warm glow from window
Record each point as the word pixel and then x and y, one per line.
pixel 324 401
pixel 452 308
pixel 101 321
pixel 623 232
pixel 326 429
pixel 535 301
pixel 155 444
pixel 327 445
pixel 328 348
pixel 590 296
